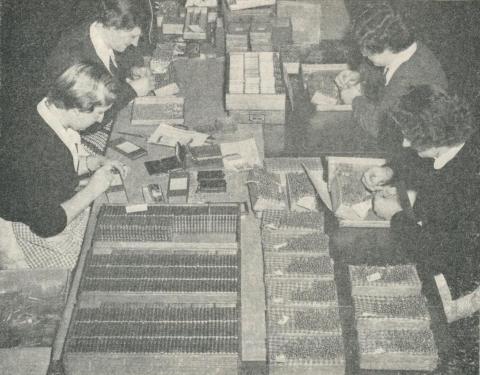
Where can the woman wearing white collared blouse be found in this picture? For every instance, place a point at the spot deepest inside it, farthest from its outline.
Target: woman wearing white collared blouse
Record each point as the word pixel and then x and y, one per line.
pixel 41 160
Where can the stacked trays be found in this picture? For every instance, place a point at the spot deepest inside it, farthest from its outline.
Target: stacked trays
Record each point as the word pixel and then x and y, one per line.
pixel 303 323
pixel 153 339
pixel 392 319
pixel 159 304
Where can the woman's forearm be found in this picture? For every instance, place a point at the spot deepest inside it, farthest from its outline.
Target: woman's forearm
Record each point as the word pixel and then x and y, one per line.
pixel 79 202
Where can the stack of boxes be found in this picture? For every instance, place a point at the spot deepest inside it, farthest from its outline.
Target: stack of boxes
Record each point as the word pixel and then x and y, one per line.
pixel 392 319
pixel 236 38
pixel 256 94
pixel 261 36
pixel 303 323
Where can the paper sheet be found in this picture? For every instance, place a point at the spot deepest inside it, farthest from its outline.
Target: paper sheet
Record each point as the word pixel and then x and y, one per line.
pixel 240 155
pixel 167 135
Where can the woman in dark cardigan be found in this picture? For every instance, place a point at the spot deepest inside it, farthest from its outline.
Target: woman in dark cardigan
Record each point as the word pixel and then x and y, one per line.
pixel 442 234
pixel 42 216
pixel 395 61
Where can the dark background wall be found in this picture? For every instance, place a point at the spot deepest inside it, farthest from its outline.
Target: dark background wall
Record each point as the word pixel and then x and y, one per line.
pixel 29 29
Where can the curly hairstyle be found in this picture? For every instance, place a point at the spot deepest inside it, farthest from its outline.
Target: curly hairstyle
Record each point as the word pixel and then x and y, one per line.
pixel 429 117
pixel 379 27
pixel 121 14
pixel 83 86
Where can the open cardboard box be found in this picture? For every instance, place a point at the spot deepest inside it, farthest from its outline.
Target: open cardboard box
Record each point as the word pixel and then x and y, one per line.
pixel 333 199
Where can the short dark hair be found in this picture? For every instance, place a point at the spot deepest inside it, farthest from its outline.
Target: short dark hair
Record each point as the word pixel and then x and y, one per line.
pixel 82 86
pixel 121 14
pixel 429 117
pixel 379 27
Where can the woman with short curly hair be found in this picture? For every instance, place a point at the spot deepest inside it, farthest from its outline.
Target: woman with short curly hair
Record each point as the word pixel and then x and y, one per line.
pixel 443 234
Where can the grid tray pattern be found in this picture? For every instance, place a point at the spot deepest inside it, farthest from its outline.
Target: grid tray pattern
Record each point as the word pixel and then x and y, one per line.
pixel 296 266
pixel 398 350
pixel 313 243
pixel 391 312
pixel 287 165
pixel 303 321
pixel 306 350
pixel 298 292
pixel 400 280
pixel 299 222
pixel 167 273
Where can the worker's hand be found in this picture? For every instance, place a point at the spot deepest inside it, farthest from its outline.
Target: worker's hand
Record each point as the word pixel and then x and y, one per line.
pixel 94 162
pixel 105 175
pixel 386 207
pixel 348 94
pixel 375 178
pixel 347 78
pixel 143 85
pixel 140 71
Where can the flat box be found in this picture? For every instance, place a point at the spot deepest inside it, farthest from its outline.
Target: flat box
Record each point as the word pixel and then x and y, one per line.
pixel 301 292
pixel 407 350
pixel 300 192
pixel 292 165
pixel 295 244
pixel 178 187
pixel 310 355
pixel 298 321
pixel 387 281
pixel 358 166
pixel 385 313
pixel 330 71
pixel 155 110
pixel 298 266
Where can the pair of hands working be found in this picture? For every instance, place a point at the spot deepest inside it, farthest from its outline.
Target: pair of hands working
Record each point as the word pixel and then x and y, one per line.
pixel 104 172
pixel 349 85
pixel 142 80
pixel 385 199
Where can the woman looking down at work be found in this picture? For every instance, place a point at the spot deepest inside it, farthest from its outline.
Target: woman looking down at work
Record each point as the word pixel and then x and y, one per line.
pixel 443 234
pixel 399 62
pixel 42 216
pixel 110 41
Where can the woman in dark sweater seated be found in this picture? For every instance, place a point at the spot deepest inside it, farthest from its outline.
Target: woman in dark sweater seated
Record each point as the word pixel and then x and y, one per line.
pixel 399 62
pixel 442 234
pixel 42 216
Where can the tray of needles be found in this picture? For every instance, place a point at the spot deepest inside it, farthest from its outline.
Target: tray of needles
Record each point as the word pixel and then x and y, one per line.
pixel 301 292
pixel 297 222
pixel 384 313
pixel 399 280
pixel 303 321
pixel 298 266
pixel 295 244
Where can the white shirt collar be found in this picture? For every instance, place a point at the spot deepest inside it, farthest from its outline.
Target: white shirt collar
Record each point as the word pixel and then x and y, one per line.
pixel 103 51
pixel 400 58
pixel 443 159
pixel 70 138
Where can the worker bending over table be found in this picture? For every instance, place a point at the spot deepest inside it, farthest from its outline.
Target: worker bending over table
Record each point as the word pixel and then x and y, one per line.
pixel 399 62
pixel 43 214
pixel 109 41
pixel 443 234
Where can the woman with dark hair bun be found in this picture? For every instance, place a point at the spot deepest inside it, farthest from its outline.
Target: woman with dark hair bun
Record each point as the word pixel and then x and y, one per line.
pixel 42 216
pixel 443 235
pixel 399 62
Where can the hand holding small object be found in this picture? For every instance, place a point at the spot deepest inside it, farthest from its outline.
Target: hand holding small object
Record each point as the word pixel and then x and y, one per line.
pixel 349 93
pixel 386 207
pixel 140 71
pixel 94 162
pixel 375 178
pixel 347 78
pixel 142 85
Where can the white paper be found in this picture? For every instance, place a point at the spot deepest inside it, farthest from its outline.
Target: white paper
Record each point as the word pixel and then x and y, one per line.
pixel 136 208
pixel 246 151
pixel 179 183
pixel 167 135
pixel 127 147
